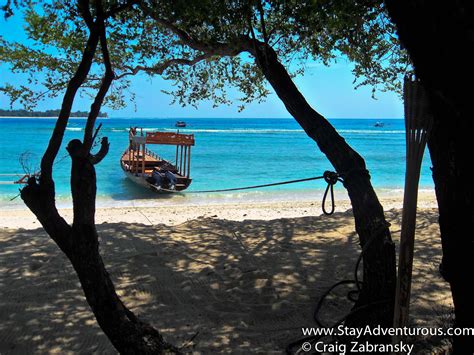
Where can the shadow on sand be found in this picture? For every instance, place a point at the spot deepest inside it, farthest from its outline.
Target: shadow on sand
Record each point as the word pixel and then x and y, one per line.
pixel 240 286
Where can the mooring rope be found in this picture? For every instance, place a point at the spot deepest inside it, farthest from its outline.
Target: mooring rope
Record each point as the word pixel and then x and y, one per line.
pixel 258 186
pixel 330 177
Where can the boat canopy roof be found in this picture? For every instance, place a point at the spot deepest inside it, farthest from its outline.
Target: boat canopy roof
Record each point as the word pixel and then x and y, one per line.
pixel 167 138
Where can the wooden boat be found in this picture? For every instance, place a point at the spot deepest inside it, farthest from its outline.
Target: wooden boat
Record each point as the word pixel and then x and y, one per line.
pixel 138 162
pixel 180 124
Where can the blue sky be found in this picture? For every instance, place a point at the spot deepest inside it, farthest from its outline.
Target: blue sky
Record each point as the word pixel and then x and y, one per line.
pixel 328 89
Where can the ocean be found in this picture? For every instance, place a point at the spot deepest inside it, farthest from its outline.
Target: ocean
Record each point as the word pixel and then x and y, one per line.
pixel 229 152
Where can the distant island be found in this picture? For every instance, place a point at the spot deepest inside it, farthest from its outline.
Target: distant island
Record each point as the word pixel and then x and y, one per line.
pixel 47 113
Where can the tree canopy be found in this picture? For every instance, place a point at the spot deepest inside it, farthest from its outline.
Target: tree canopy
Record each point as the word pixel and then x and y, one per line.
pixel 202 46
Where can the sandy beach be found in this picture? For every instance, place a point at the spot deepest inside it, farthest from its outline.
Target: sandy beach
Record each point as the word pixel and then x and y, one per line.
pixel 237 278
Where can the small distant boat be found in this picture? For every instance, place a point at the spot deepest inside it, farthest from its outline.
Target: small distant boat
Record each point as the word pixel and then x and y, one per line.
pixel 379 124
pixel 139 163
pixel 180 124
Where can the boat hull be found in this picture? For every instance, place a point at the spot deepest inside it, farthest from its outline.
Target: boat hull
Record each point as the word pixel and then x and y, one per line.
pixel 141 178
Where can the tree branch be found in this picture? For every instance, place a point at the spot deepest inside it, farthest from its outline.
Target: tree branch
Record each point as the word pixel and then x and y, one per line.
pixel 104 149
pixel 84 10
pixel 161 67
pixel 262 20
pixel 74 84
pixel 216 48
pixel 119 8
pixel 104 87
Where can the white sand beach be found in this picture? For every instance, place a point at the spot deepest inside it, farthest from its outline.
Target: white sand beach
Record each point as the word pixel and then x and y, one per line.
pixel 239 278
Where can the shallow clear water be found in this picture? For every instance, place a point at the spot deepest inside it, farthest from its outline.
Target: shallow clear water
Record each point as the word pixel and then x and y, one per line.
pixel 228 153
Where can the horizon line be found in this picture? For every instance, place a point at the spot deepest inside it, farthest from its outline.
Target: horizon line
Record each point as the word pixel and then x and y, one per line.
pixel 203 117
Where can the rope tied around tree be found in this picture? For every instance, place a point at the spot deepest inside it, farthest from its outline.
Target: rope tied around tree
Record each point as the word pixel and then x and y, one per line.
pixel 331 178
pixel 351 173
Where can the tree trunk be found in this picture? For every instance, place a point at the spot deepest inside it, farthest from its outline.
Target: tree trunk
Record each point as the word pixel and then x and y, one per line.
pixel 126 332
pixel 438 37
pixel 379 277
pixel 80 241
pixel 80 244
pixel 454 192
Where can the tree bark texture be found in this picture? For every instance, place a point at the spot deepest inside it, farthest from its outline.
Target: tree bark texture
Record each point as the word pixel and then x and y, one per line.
pixel 123 328
pixel 439 39
pixel 80 241
pixel 379 274
pixel 80 244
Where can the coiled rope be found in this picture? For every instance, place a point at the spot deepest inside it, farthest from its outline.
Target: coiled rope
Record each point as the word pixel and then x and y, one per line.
pixel 295 347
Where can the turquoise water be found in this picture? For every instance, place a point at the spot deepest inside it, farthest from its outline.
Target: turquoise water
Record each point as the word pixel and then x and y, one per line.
pixel 228 153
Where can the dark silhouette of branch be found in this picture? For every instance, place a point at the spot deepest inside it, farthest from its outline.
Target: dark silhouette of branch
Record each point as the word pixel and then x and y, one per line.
pixel 161 67
pixel 68 99
pixel 262 21
pixel 104 149
pixel 104 87
pixel 233 48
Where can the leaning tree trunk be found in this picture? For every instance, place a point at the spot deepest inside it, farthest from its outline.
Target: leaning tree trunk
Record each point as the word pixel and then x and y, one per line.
pixel 80 244
pixel 125 331
pixel 438 38
pixel 379 277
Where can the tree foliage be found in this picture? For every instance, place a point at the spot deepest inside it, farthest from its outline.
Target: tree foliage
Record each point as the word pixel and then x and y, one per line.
pixel 146 39
pixel 47 113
